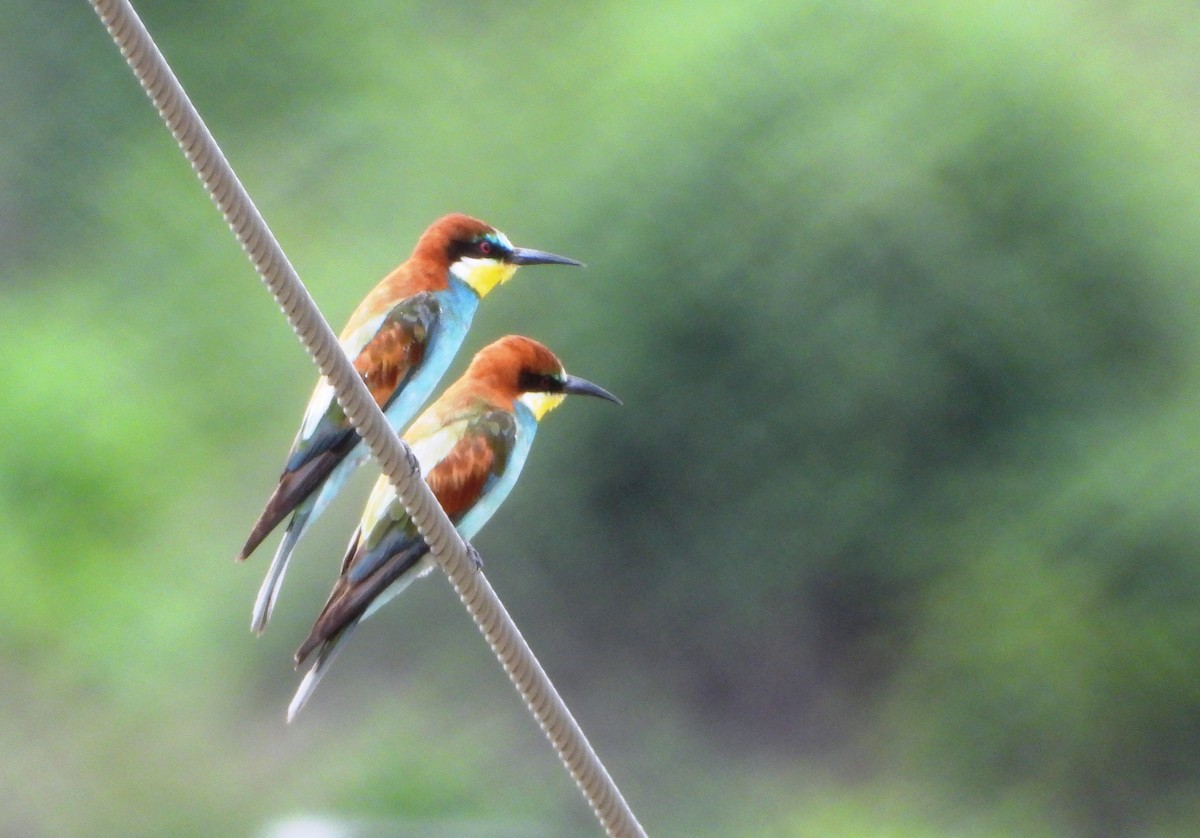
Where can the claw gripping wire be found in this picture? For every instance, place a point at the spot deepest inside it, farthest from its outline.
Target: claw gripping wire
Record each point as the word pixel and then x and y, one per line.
pixel 394 457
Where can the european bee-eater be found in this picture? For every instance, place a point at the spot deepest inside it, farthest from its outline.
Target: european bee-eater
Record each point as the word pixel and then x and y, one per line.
pixel 401 339
pixel 471 444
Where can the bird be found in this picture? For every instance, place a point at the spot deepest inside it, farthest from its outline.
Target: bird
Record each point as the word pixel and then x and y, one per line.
pixel 471 445
pixel 401 339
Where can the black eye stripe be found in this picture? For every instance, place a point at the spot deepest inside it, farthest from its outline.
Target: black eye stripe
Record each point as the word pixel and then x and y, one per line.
pixel 481 247
pixel 536 382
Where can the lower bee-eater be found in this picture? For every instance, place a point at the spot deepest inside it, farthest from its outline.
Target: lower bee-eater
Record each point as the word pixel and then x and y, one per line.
pixel 401 338
pixel 471 445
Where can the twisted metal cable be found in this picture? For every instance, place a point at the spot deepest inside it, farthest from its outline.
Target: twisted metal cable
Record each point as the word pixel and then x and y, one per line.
pixel 394 457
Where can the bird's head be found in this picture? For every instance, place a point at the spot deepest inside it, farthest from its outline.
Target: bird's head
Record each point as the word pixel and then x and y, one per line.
pixel 479 254
pixel 524 370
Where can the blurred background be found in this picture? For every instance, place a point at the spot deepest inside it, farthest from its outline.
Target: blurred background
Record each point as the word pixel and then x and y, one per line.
pixel 896 535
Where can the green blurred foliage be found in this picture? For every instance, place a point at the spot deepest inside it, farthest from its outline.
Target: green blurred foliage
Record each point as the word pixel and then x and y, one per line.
pixel 896 534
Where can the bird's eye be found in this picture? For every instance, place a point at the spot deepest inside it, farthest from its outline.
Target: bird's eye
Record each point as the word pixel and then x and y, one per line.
pixel 484 247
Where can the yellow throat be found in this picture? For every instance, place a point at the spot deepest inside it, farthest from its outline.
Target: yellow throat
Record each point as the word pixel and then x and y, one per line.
pixel 540 404
pixel 483 274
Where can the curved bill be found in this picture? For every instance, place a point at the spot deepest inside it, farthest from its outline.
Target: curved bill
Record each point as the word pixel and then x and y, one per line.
pixel 582 387
pixel 528 256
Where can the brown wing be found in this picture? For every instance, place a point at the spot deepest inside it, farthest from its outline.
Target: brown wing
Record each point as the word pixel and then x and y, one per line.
pixel 458 481
pixel 387 363
pixel 294 486
pixel 398 348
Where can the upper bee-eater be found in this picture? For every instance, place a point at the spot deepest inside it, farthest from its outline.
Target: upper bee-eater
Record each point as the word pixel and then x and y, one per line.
pixel 471 444
pixel 401 339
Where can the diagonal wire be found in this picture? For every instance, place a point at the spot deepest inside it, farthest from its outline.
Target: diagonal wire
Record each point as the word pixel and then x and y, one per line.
pixel 394 457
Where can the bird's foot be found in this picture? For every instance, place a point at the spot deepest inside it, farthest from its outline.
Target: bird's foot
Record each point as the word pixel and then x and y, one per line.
pixel 474 557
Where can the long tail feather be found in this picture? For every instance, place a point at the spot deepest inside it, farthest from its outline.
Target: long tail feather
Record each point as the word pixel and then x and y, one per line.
pixel 329 650
pixel 268 592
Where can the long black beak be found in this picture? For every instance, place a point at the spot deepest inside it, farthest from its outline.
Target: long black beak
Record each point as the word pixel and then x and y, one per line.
pixel 527 256
pixel 582 387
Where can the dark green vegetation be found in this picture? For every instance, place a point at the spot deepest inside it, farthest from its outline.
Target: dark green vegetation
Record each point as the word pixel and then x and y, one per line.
pixel 897 534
